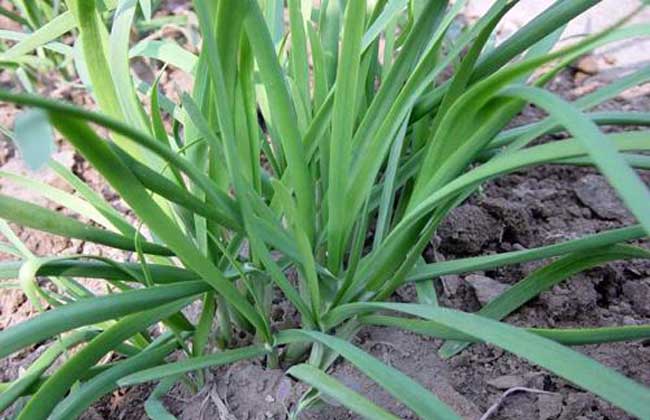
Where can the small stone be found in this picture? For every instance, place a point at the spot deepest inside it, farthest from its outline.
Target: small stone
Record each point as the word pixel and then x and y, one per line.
pixel 587 65
pixel 485 288
pixel 549 406
pixel 450 284
pixel 269 399
pixel 507 381
pixel 595 192
pixel 534 191
pixel 283 393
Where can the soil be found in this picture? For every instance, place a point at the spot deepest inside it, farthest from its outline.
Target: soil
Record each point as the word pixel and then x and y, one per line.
pixel 527 209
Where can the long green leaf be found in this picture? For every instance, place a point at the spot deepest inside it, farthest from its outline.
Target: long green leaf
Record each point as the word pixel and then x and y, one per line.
pixel 604 154
pixel 36 217
pixel 566 336
pixel 412 394
pixel 122 179
pixel 283 115
pixel 573 366
pixel 60 197
pixel 38 368
pixel 40 406
pixel 105 270
pixel 167 52
pixel 486 262
pixel 335 389
pixel 195 363
pixel 120 71
pixel 79 400
pixel 545 278
pixel 343 117
pixel 92 311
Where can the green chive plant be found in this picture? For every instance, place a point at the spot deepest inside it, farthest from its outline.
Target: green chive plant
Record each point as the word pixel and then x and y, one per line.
pixel 298 140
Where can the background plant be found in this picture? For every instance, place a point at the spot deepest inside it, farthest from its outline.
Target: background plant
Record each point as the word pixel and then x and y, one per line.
pixel 47 44
pixel 304 148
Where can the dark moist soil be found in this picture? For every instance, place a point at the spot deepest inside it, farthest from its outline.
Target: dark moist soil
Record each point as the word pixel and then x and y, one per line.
pixel 527 209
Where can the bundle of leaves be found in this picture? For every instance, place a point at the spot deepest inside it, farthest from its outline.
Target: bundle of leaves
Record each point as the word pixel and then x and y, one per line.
pixel 313 160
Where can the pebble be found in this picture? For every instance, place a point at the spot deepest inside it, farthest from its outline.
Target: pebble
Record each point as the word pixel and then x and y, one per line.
pixel 587 65
pixel 595 192
pixel 485 288
pixel 508 381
